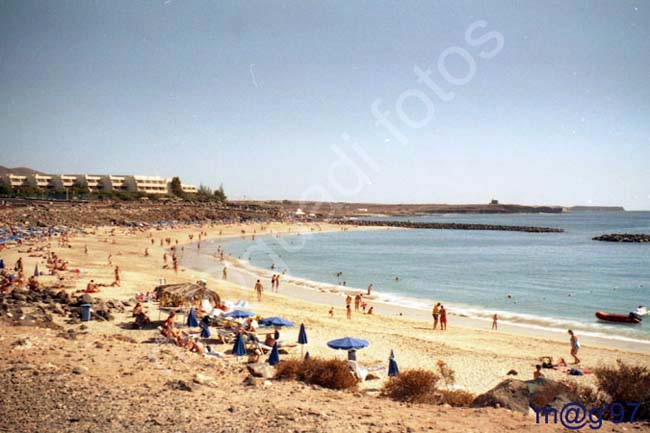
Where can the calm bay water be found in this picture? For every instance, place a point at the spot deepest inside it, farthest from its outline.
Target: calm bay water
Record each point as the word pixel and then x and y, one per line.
pixel 548 280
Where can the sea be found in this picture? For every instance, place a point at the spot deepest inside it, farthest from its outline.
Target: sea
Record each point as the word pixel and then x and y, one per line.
pixel 545 280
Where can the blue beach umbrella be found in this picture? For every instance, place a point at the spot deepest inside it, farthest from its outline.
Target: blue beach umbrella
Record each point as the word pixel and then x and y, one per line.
pixel 205 328
pixel 274 357
pixel 192 322
pixel 2 264
pixel 393 370
pixel 302 337
pixel 240 314
pixel 239 349
pixel 347 343
pixel 275 321
pixel 36 273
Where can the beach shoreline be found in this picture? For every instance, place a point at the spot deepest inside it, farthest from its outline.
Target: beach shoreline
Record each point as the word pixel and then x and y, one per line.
pixel 328 294
pixel 480 357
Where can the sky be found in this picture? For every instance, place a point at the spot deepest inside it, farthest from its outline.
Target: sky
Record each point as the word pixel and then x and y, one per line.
pixel 365 101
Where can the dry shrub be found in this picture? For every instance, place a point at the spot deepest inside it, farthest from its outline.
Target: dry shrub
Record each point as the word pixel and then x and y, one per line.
pixel 624 384
pixel 446 373
pixel 587 395
pixel 456 397
pixel 414 386
pixel 288 370
pixel 328 373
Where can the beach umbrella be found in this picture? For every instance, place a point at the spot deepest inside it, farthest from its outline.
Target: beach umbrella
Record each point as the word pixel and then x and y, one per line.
pixel 302 337
pixel 2 264
pixel 192 322
pixel 36 274
pixel 238 348
pixel 392 366
pixel 274 357
pixel 347 343
pixel 275 321
pixel 205 328
pixel 240 314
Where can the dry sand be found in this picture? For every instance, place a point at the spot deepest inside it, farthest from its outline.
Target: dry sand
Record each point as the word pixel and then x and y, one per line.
pixel 122 377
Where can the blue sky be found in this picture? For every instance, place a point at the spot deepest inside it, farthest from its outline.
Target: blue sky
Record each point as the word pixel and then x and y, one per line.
pixel 259 95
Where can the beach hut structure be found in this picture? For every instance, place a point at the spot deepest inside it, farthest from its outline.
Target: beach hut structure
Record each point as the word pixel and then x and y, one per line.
pixel 177 295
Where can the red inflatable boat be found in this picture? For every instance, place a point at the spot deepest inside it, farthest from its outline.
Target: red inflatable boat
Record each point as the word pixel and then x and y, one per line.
pixel 618 318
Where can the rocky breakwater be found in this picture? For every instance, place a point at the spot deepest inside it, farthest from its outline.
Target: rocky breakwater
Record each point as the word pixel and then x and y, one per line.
pixel 624 237
pixel 452 226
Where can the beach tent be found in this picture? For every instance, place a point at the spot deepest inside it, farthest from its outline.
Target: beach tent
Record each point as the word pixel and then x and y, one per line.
pixel 187 293
pixel 274 357
pixel 275 321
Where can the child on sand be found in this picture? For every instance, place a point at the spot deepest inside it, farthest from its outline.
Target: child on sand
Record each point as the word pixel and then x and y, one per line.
pixel 538 372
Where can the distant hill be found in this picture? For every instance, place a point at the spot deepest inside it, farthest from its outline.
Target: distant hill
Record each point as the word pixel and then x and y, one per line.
pixel 22 171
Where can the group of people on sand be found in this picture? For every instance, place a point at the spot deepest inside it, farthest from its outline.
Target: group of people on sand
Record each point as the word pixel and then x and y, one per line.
pixel 439 313
pixel 547 361
pixel 359 303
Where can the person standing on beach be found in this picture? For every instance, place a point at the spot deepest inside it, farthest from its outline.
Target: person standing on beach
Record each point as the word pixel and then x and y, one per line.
pixel 331 312
pixel 357 301
pixel 435 313
pixel 117 276
pixel 575 346
pixel 369 289
pixel 259 289
pixel 443 318
pixel 224 273
pixel 348 311
pixel 494 322
pixel 348 301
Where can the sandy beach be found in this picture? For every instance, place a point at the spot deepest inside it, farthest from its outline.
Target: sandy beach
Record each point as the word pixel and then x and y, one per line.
pixel 480 356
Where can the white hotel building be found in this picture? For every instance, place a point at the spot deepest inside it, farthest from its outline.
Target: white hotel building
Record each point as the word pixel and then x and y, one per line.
pixel 108 183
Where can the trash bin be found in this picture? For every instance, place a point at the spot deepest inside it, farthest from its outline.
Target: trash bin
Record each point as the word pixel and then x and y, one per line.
pixel 85 312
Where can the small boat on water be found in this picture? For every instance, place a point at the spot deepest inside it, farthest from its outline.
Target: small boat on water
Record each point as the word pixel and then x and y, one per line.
pixel 618 318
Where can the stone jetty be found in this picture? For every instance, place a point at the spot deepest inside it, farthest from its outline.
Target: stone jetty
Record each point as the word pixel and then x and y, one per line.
pixel 623 237
pixel 451 226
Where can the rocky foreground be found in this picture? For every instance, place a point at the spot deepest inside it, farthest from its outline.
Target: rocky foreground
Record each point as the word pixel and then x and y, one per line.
pixel 81 381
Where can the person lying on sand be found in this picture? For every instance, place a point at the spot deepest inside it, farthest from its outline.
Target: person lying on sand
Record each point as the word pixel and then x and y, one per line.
pixel 91 287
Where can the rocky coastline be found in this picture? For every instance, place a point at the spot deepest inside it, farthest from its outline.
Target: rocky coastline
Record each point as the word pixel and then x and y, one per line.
pixel 451 226
pixel 624 237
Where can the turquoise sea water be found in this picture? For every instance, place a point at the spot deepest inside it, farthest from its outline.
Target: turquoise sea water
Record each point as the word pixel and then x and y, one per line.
pixel 554 280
